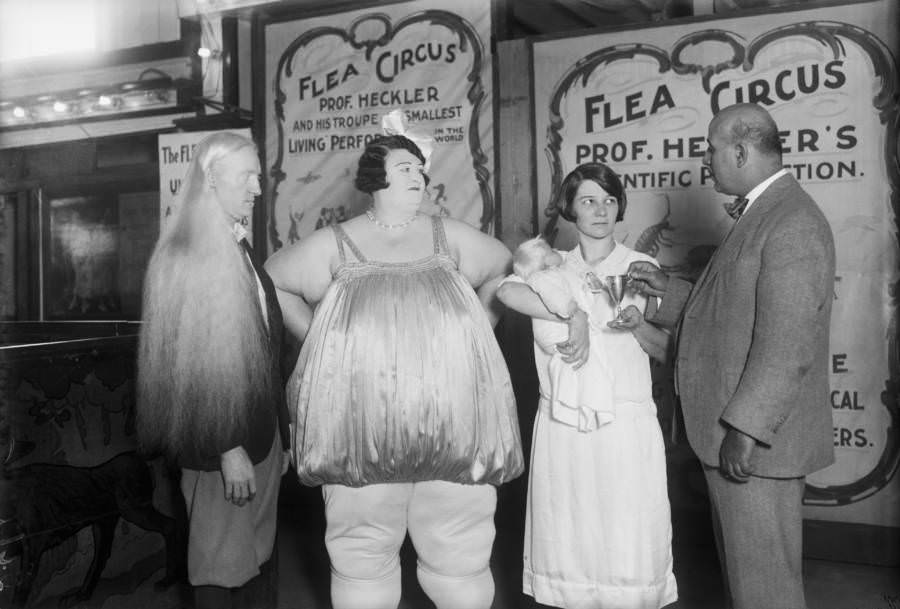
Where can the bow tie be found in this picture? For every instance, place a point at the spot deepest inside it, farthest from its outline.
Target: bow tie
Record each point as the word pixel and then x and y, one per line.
pixel 736 207
pixel 239 231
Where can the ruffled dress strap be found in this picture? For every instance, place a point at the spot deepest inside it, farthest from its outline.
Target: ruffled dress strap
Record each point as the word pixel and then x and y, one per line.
pixel 341 236
pixel 439 236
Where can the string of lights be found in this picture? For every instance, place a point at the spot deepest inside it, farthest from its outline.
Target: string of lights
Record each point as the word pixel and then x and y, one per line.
pixel 152 90
pixel 131 96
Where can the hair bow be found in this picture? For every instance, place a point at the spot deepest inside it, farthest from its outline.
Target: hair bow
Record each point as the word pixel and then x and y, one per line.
pixel 394 123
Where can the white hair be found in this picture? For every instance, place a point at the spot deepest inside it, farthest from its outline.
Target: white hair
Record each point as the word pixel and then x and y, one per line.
pixel 204 355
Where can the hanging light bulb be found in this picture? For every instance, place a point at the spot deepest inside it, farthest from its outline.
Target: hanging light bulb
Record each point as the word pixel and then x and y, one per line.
pixel 207 53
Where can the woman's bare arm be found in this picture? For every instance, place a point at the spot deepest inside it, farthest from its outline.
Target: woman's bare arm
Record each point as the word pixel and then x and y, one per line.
pixel 302 273
pixel 520 297
pixel 483 260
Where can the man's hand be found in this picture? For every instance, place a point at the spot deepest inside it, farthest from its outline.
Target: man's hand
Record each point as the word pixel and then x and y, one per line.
pixel 631 319
pixel 647 278
pixel 238 475
pixel 576 349
pixel 736 455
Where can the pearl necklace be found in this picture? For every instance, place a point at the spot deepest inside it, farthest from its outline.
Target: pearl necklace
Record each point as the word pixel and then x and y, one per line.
pixel 371 216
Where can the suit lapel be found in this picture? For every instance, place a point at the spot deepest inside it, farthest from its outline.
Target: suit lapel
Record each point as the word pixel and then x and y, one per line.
pixel 739 230
pixel 712 266
pixel 273 310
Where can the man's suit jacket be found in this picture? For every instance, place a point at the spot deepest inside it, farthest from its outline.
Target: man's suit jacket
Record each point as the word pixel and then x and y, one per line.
pixel 752 348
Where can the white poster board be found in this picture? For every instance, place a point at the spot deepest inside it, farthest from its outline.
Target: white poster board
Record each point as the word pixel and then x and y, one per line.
pixel 641 100
pixel 329 81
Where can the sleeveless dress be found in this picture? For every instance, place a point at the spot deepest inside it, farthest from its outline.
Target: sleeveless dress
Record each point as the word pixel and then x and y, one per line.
pixel 598 532
pixel 400 378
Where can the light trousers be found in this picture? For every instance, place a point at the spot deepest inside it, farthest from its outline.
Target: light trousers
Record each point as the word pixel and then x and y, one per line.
pixel 228 543
pixel 451 527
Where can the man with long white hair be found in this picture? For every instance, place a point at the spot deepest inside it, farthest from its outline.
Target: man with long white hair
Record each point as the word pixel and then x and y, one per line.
pixel 210 395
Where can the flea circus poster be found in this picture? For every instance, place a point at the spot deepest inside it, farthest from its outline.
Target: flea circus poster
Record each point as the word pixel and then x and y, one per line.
pixel 641 100
pixel 330 80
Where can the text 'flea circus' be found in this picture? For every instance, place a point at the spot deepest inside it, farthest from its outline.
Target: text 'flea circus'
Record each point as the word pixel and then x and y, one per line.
pixel 607 110
pixel 387 65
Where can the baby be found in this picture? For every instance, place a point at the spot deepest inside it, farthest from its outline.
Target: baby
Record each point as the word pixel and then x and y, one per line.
pixel 582 398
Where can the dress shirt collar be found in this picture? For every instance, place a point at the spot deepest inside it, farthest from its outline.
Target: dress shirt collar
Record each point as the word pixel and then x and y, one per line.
pixel 239 232
pixel 761 187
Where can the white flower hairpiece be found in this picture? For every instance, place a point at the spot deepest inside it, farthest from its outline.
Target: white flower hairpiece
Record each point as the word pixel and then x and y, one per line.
pixel 394 123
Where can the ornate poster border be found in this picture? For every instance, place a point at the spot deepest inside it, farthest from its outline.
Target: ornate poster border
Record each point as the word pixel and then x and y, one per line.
pixel 830 34
pixel 468 38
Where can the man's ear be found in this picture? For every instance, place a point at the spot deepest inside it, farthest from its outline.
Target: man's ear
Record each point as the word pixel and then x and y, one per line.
pixel 741 153
pixel 210 179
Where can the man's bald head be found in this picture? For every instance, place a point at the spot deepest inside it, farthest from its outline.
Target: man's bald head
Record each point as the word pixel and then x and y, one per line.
pixel 751 125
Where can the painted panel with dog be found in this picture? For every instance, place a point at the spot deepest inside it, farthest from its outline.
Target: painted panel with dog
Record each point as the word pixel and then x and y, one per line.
pixel 83 516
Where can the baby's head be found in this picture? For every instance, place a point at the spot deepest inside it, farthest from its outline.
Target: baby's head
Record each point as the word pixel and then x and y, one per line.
pixel 534 255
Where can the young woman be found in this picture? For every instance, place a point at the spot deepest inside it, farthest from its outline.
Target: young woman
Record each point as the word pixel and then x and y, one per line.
pixel 404 406
pixel 598 529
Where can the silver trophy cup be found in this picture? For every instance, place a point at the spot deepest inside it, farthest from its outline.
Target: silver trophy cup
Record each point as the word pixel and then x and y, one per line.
pixel 615 286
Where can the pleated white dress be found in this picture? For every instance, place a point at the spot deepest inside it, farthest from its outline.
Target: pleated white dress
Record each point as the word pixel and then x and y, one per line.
pixel 598 530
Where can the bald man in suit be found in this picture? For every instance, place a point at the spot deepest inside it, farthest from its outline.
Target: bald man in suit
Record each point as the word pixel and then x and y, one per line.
pixel 752 359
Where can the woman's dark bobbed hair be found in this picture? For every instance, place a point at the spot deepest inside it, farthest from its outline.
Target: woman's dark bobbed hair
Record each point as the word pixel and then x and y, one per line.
pixel 605 177
pixel 370 173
